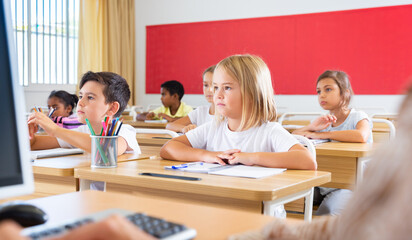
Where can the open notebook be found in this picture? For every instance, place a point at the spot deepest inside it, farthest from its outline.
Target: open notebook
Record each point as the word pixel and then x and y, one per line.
pixel 55 152
pixel 156 121
pixel 319 141
pixel 227 170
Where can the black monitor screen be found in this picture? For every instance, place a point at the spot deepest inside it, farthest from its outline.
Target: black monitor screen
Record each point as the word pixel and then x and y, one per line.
pixel 10 167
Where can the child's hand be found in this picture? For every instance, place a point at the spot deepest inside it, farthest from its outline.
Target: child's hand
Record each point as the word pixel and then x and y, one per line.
pixel 33 128
pixel 219 157
pixel 150 116
pixel 188 128
pixel 313 135
pixel 322 122
pixel 165 116
pixel 44 122
pixel 243 158
pixel 227 155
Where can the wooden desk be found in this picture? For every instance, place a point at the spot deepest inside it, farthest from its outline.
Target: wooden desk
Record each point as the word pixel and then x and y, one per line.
pixel 252 195
pixel 151 150
pixel 344 160
pixel 56 175
pixel 209 222
pixel 380 131
pixel 142 124
pixel 146 139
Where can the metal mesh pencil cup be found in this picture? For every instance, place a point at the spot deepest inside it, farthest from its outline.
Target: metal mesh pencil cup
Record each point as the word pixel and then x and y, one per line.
pixel 104 151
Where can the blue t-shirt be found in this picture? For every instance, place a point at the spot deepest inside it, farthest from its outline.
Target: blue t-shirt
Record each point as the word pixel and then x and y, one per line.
pixel 350 123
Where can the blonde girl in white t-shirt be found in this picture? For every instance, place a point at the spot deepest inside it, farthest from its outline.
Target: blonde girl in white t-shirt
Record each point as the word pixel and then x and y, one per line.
pixel 202 114
pixel 244 130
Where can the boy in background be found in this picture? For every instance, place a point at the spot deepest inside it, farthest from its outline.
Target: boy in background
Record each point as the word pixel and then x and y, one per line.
pixel 102 94
pixel 173 108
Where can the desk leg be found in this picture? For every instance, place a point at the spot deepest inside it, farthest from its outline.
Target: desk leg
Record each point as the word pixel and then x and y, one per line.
pixel 362 163
pixel 308 206
pixel 85 185
pixel 268 206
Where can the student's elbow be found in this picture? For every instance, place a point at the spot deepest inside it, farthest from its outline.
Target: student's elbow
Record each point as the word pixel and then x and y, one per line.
pixel 165 150
pixel 363 137
pixel 311 163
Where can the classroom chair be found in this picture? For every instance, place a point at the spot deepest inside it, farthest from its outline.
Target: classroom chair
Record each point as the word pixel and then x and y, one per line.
pixel 388 116
pixel 297 123
pixel 389 124
pixel 152 107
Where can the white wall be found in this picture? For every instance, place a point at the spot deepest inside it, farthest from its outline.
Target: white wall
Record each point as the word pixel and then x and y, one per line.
pixel 36 95
pixel 155 12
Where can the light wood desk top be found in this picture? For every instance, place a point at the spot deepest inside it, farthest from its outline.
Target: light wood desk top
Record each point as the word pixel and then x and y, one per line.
pixel 64 166
pixel 209 222
pixel 344 149
pixel 149 139
pixel 151 150
pixel 142 124
pixel 264 189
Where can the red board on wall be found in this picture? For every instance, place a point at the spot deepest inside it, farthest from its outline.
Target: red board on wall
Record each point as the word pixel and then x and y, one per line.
pixel 374 46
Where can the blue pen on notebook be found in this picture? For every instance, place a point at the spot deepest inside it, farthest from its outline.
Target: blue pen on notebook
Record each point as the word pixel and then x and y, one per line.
pixel 185 165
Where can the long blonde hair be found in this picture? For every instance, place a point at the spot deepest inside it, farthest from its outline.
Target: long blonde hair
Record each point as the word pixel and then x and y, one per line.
pixel 255 83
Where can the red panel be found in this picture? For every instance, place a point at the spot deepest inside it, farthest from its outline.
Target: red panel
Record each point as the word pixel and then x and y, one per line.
pixel 374 46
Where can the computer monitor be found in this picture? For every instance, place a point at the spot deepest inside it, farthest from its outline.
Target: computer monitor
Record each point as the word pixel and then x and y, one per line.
pixel 15 165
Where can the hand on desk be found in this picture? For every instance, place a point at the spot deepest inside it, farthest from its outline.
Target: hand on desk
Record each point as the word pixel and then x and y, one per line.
pixel 10 230
pixel 150 116
pixel 222 158
pixel 114 227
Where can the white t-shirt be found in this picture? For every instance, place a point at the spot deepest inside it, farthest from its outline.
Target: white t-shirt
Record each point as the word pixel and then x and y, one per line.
pixel 269 137
pixel 350 123
pixel 200 115
pixel 127 132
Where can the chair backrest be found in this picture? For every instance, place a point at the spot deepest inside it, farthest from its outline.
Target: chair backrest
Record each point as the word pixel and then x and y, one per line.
pixel 153 107
pixel 137 109
pixel 392 129
pixel 307 143
pixel 370 110
pixel 156 131
pixel 290 114
pixel 388 116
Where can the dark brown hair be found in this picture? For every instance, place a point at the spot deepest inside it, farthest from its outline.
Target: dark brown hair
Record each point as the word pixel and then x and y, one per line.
pixel 342 80
pixel 115 89
pixel 66 98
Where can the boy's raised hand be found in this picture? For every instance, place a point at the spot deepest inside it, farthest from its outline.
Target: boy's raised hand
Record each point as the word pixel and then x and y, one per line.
pixel 44 122
pixel 322 122
pixel 33 128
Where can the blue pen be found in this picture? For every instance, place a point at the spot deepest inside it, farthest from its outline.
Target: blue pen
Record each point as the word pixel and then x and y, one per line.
pixel 185 165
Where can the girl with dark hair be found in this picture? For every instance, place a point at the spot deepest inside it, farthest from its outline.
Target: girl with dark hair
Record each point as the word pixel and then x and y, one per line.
pixel 61 106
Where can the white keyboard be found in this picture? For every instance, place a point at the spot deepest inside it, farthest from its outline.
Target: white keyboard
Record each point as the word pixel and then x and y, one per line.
pixel 156 227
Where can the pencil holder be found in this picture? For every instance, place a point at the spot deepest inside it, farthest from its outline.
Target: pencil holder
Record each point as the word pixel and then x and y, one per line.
pixel 104 151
